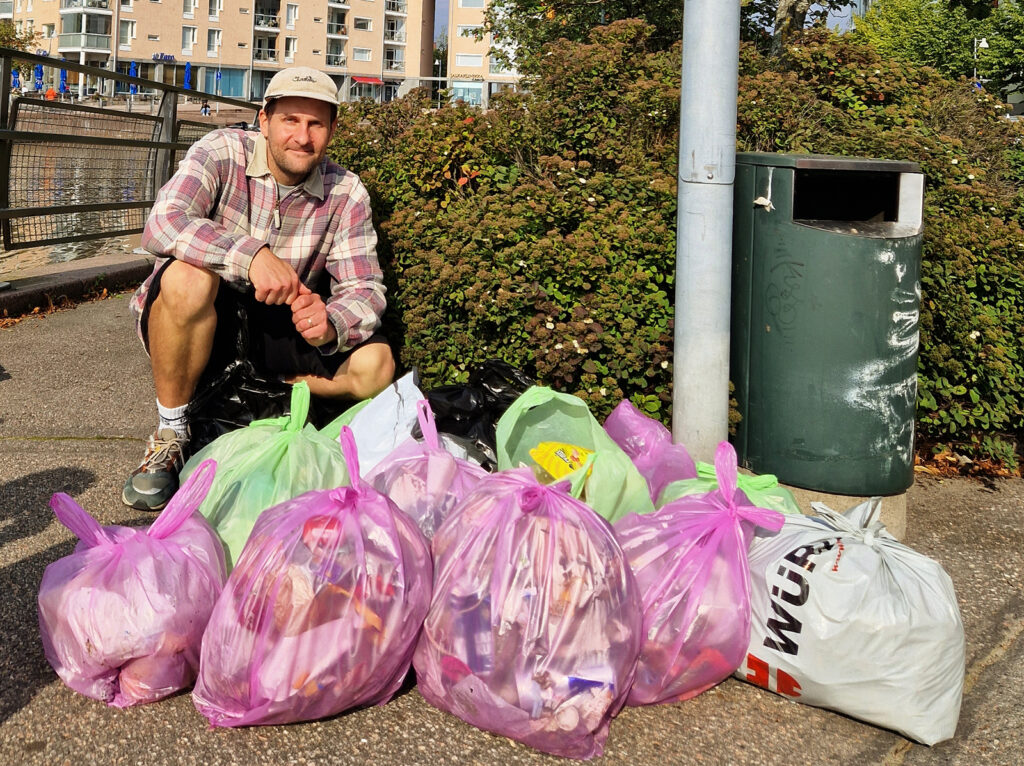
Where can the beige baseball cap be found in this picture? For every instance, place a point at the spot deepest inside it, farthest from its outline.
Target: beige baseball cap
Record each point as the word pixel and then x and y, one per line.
pixel 302 82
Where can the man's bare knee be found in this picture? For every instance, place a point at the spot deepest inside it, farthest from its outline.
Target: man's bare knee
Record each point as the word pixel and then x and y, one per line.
pixel 370 369
pixel 186 291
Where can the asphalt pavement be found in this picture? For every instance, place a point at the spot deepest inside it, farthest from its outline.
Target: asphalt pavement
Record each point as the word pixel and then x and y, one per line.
pixel 76 404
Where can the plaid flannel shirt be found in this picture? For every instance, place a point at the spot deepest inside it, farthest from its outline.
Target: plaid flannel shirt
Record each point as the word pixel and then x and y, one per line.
pixel 221 207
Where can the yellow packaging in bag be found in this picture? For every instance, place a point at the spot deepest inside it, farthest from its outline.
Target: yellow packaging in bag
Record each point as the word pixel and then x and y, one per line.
pixel 559 459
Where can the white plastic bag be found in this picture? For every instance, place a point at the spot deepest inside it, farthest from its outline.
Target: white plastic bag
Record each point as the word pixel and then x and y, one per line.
pixel 847 618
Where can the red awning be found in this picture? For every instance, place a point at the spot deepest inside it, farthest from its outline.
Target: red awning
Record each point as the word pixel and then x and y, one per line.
pixel 368 80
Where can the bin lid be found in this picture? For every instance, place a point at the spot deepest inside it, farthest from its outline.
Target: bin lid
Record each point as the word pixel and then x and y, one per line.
pixel 825 162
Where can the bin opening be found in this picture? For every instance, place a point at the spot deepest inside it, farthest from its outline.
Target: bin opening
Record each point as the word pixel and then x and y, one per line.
pixel 868 203
pixel 846 195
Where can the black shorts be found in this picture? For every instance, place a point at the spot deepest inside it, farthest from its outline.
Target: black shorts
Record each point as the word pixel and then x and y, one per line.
pixel 264 334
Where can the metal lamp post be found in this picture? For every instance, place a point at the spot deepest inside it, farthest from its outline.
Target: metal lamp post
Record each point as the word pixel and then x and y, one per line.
pixel 979 42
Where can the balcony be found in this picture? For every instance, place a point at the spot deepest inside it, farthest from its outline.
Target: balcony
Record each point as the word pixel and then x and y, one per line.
pixel 394 66
pixel 77 41
pixel 337 30
pixel 394 36
pixel 396 6
pixel 89 5
pixel 6 9
pixel 264 54
pixel 268 21
pixel 337 59
pixel 343 4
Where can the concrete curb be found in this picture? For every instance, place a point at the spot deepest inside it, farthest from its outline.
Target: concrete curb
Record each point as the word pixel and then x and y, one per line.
pixel 43 290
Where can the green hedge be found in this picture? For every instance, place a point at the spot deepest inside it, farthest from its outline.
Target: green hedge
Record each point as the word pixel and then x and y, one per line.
pixel 543 231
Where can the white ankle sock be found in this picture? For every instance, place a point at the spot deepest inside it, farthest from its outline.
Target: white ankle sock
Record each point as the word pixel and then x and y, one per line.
pixel 173 417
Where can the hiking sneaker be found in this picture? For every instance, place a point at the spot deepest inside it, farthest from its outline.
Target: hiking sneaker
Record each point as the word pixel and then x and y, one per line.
pixel 155 481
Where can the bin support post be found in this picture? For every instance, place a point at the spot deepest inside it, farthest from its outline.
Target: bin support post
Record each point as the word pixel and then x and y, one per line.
pixel 707 170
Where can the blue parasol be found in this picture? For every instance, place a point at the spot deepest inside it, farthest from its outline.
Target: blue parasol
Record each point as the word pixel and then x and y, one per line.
pixel 63 81
pixel 15 79
pixel 133 71
pixel 188 75
pixel 39 76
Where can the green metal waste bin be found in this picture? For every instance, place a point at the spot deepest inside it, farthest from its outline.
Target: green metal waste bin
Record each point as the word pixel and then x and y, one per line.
pixel 825 308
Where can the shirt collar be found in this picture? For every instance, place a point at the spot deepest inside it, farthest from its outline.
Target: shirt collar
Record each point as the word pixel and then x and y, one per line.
pixel 258 167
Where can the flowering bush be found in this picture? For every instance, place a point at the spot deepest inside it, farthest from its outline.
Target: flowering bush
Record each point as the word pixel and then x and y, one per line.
pixel 543 230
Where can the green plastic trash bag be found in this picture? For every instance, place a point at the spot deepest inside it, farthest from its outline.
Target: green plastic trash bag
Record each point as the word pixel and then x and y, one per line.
pixel 763 491
pixel 265 463
pixel 612 486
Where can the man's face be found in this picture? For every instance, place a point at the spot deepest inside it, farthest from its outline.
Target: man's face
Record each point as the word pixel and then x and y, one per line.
pixel 297 132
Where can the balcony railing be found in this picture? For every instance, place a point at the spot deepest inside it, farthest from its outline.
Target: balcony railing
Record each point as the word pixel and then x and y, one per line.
pixel 264 54
pixel 394 66
pixel 7 8
pixel 338 4
pixel 99 4
pixel 336 29
pixel 336 59
pixel 268 21
pixel 396 6
pixel 394 35
pixel 80 40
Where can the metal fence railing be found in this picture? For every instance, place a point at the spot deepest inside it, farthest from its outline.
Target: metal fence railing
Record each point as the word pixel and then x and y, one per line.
pixel 75 171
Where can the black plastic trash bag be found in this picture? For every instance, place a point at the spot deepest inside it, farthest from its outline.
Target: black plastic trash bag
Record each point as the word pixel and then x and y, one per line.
pixel 469 411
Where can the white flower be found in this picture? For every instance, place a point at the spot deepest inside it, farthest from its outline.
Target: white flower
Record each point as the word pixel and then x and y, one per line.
pixel 970 176
pixel 664 365
pixel 558 345
pixel 591 199
pixel 604 391
pixel 582 180
pixel 550 325
pixel 975 335
pixel 588 320
pixel 954 162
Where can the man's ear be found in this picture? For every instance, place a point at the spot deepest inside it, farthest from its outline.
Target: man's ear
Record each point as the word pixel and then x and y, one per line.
pixel 264 118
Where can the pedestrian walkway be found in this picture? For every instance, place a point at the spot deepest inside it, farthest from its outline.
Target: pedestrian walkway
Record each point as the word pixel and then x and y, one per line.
pixel 76 404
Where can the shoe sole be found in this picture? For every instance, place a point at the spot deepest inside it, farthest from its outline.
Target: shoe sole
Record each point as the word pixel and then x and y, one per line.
pixel 138 505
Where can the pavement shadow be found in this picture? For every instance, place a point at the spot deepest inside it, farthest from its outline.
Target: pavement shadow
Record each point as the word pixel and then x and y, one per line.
pixel 25 502
pixel 23 665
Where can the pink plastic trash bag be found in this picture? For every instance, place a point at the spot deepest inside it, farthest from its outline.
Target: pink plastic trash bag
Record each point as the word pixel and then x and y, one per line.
pixel 423 479
pixel 690 562
pixel 649 445
pixel 321 613
pixel 534 628
pixel 122 617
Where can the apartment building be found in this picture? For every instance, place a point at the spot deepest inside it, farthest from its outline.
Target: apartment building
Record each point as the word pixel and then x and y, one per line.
pixel 473 74
pixel 371 48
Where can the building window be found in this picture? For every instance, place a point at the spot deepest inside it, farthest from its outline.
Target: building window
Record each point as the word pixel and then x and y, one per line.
pixel 363 24
pixel 469 59
pixel 216 6
pixel 470 92
pixel 28 5
pixel 361 54
pixel 213 39
pixel 290 45
pixel 467 30
pixel 188 9
pixel 49 31
pixel 188 40
pixel 471 3
pixel 127 5
pixel 125 34
pixel 153 38
pixel 291 15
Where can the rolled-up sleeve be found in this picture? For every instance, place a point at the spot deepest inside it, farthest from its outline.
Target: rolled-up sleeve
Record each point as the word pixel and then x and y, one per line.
pixel 180 223
pixel 357 286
